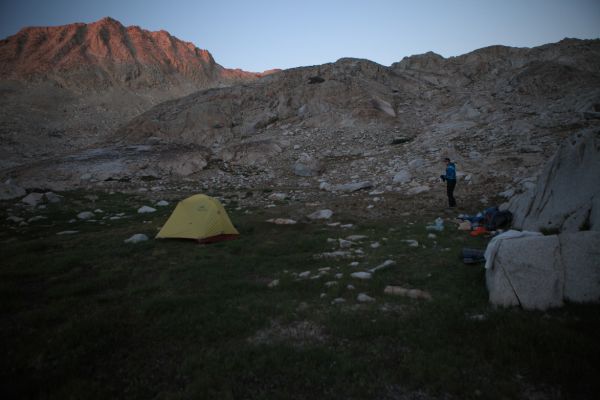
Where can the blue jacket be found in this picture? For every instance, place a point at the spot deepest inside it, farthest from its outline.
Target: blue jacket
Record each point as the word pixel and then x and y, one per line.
pixel 450 172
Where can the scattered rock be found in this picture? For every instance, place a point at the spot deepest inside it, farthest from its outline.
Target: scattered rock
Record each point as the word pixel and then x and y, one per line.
pixel 401 177
pixel 307 166
pixel 412 293
pixel 364 298
pixel 375 245
pixel 304 274
pixel 418 189
pixel 411 242
pixel 352 187
pixel 338 300
pixel 350 287
pixel 274 283
pixel 330 283
pixel 36 218
pixel 345 244
pixel 321 214
pixel 277 196
pixel 14 219
pixel 53 197
pixel 145 210
pixel 138 237
pixel 162 203
pixel 361 275
pixel 33 199
pixel 282 221
pixel 335 254
pixel 85 215
pixel 67 232
pixel 385 264
pixel 356 238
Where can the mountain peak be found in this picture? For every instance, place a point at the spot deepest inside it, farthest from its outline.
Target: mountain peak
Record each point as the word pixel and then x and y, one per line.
pixel 105 53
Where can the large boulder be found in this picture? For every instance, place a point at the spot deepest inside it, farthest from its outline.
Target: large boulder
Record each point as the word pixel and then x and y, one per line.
pixel 566 197
pixel 540 272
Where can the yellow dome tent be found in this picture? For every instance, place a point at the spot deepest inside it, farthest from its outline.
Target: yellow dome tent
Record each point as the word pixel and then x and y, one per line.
pixel 201 218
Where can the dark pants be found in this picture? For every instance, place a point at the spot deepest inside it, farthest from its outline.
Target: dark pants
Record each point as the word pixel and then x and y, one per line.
pixel 451 184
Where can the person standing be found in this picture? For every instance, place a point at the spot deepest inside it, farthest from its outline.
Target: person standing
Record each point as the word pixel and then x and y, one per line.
pixel 450 179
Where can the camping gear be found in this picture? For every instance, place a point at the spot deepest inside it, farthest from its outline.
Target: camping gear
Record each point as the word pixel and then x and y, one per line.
pixel 480 230
pixel 465 225
pixel 201 218
pixel 439 225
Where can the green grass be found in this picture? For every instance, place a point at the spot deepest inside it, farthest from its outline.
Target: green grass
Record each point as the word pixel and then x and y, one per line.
pixel 88 316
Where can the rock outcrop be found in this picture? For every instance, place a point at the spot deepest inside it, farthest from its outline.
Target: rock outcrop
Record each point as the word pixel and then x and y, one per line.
pixel 566 197
pixel 541 272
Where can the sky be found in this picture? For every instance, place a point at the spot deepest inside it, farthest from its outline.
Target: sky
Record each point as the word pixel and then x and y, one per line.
pixel 264 34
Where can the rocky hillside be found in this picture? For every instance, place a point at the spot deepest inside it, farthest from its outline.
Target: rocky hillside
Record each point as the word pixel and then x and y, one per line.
pixel 498 112
pixel 66 87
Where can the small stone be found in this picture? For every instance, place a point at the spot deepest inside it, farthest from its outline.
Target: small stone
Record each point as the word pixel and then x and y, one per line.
pixel 412 293
pixel 411 243
pixel 138 237
pixel 375 245
pixel 338 300
pixel 146 209
pixel 346 226
pixel 14 219
pixel 356 238
pixel 282 221
pixel 364 298
pixel 33 199
pixel 335 254
pixel 361 275
pixel 323 295
pixel 321 214
pixel 431 236
pixel 162 203
pixel 350 287
pixel 67 232
pixel 36 218
pixel 330 283
pixel 277 196
pixel 53 197
pixel 354 264
pixel 304 274
pixel 345 244
pixel 324 269
pixel 339 276
pixel 385 264
pixel 85 215
pixel 98 211
pixel 274 283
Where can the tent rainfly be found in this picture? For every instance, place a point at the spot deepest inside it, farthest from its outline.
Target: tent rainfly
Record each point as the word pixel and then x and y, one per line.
pixel 201 218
